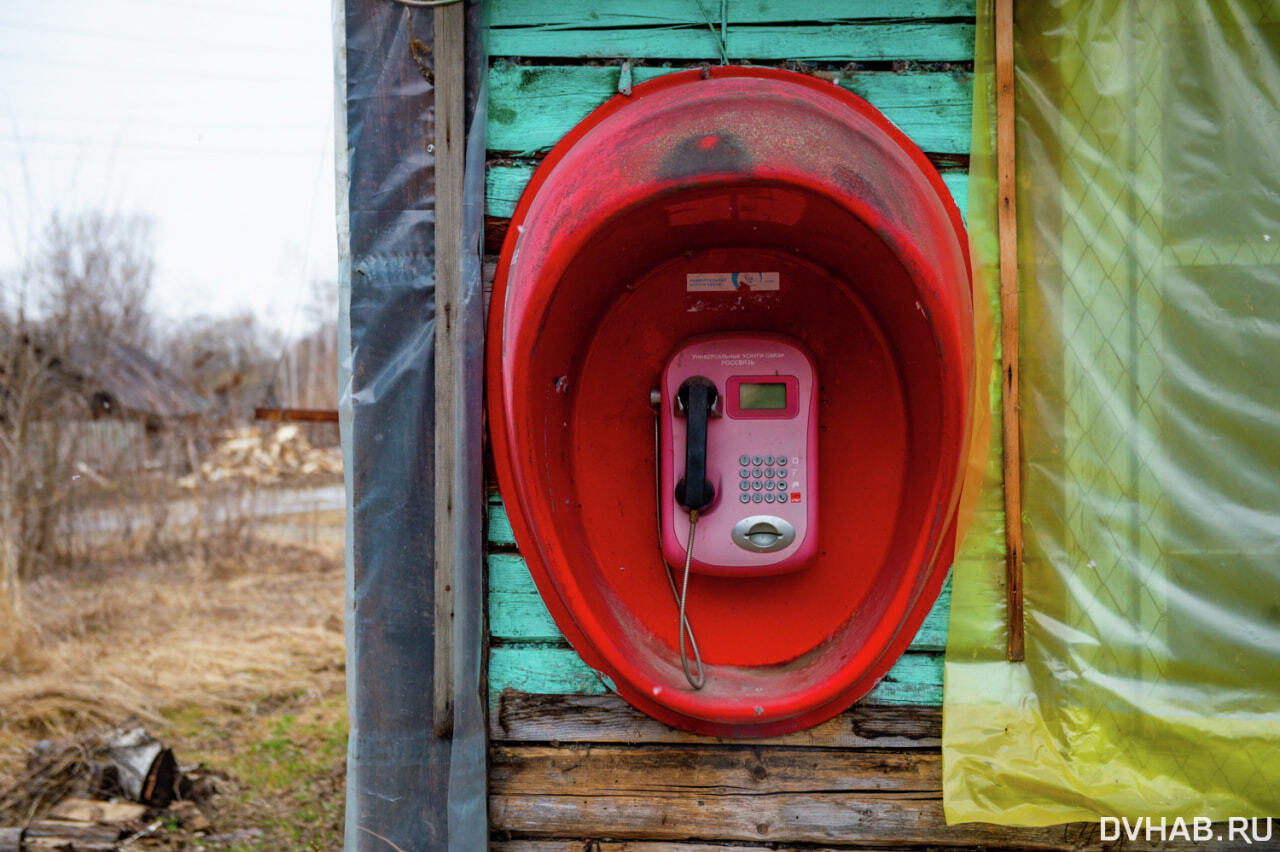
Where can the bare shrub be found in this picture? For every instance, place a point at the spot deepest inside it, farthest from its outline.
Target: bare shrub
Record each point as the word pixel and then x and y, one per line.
pixel 89 277
pixel 92 273
pixel 34 456
pixel 96 435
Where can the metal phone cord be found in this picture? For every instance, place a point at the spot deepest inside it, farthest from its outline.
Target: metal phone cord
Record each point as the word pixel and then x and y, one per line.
pixel 682 625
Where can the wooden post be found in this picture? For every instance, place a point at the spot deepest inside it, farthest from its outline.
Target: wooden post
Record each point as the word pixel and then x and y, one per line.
pixel 449 54
pixel 297 415
pixel 1005 158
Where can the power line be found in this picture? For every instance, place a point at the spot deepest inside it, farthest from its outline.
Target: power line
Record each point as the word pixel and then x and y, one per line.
pixel 222 11
pixel 135 119
pixel 149 148
pixel 178 43
pixel 161 73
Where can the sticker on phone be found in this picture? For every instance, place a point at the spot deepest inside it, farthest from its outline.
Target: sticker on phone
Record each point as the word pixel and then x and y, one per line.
pixel 731 282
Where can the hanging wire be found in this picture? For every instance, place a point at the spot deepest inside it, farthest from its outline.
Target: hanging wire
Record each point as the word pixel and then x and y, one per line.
pixel 724 30
pixel 683 622
pixel 721 36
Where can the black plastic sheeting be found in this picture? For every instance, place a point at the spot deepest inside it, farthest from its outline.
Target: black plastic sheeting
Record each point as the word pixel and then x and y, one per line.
pixel 406 788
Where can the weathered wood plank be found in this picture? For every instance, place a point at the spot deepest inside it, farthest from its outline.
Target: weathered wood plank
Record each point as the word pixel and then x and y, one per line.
pixel 552 670
pixel 523 717
pixel 582 14
pixel 1084 833
pixel 504 183
pixel 517 612
pixel 578 845
pixel 845 818
pixel 932 635
pixel 495 228
pixel 500 532
pixel 70 834
pixel 915 679
pixel 1010 378
pixel 758 791
pixel 531 107
pixel 450 91
pixel 669 769
pixel 878 41
pixel 1074 836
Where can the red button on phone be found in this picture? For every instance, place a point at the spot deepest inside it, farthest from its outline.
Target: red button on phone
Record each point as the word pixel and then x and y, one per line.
pixel 795 496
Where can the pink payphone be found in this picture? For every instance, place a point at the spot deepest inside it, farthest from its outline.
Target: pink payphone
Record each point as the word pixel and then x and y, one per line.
pixel 739 445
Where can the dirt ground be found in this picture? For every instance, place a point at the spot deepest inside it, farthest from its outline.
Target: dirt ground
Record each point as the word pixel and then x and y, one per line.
pixel 229 651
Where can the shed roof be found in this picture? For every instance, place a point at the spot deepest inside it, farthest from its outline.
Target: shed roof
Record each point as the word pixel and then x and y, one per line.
pixel 123 377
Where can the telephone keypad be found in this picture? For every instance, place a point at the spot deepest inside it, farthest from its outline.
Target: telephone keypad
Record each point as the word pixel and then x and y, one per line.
pixel 763 475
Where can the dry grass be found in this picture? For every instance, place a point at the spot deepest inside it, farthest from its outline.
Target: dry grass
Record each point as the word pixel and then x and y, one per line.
pixel 218 630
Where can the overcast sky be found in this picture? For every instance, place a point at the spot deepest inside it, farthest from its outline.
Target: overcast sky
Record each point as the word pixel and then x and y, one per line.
pixel 212 117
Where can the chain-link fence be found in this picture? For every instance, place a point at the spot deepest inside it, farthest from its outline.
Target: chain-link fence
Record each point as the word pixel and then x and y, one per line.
pixel 1149 205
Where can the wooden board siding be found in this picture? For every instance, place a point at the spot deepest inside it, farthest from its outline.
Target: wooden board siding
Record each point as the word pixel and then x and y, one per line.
pixel 589 15
pixel 532 106
pixel 1075 837
pixel 915 679
pixel 815 43
pixel 827 31
pixel 505 181
pixel 528 652
pixel 517 613
pixel 847 818
pixel 529 718
pixel 572 766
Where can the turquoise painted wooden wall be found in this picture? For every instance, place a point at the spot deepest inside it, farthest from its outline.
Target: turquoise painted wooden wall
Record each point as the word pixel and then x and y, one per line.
pixel 529 654
pixel 915 68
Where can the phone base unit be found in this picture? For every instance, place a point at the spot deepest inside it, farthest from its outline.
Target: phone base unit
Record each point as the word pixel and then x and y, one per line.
pixel 756 445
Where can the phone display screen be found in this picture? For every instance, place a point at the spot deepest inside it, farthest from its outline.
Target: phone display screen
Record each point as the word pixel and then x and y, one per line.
pixel 755 396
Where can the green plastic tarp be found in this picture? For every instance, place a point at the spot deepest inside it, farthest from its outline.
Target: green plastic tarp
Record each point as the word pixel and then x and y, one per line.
pixel 1148 191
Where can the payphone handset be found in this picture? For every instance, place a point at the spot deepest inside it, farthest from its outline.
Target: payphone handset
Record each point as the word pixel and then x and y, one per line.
pixel 740 445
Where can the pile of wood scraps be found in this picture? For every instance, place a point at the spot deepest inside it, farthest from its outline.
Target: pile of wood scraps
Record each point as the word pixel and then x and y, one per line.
pixel 107 792
pixel 247 454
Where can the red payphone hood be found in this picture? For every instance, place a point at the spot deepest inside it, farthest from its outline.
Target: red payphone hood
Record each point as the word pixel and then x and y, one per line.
pixel 722 171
